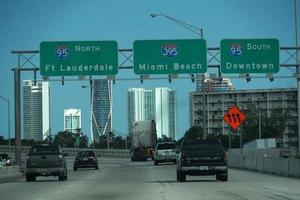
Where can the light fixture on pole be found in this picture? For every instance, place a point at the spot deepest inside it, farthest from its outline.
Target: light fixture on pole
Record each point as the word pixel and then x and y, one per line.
pixel 270 77
pixel 194 29
pixel 248 78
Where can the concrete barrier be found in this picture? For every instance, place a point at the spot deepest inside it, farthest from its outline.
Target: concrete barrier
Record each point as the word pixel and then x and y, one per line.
pixel 294 167
pixel 250 162
pixel 10 172
pixel 266 161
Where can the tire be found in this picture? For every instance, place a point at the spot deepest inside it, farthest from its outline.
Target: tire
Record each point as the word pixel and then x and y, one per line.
pixel 155 162
pixel 30 178
pixel 61 177
pixel 222 178
pixel 132 159
pixel 181 177
pixel 97 167
pixel 75 168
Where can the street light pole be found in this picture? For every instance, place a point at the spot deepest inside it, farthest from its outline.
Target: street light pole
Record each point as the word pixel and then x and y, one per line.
pixel 8 117
pixel 198 31
pixel 297 70
pixel 253 108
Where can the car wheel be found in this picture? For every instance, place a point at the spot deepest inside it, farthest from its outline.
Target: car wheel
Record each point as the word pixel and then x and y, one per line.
pixel 75 168
pixel 97 167
pixel 155 162
pixel 61 177
pixel 222 177
pixel 181 177
pixel 30 178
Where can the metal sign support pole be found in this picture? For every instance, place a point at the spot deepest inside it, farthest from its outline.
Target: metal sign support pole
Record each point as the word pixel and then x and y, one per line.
pixel 17 116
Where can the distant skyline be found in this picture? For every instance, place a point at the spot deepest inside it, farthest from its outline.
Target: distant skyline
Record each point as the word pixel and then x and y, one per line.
pixel 25 24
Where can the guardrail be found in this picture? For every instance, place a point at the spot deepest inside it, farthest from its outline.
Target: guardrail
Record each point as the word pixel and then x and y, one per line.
pixel 73 151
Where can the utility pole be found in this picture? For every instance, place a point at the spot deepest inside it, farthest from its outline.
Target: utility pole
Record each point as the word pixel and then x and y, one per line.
pixel 297 71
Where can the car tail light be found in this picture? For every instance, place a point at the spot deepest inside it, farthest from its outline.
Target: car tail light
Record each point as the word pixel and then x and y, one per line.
pixel 183 157
pixel 225 158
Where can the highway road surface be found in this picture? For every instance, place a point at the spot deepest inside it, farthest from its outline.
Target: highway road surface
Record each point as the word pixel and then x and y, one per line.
pixel 121 179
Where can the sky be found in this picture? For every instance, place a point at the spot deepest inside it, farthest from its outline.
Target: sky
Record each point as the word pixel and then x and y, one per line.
pixel 25 24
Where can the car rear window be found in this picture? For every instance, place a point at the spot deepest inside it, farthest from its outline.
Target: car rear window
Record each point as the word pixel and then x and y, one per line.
pixel 45 150
pixel 86 154
pixel 166 146
pixel 202 145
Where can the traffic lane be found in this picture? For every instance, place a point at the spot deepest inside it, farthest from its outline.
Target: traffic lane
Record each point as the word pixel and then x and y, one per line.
pixel 49 188
pixel 122 179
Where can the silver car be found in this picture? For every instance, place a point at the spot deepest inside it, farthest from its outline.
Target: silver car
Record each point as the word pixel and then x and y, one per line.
pixel 165 152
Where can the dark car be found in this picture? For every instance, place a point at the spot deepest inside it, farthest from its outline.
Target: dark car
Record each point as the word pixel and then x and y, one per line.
pixel 45 160
pixel 85 159
pixel 199 157
pixel 7 160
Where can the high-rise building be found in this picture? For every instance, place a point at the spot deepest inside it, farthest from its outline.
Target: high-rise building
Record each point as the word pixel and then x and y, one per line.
pixel 165 112
pixel 72 120
pixel 157 104
pixel 140 105
pixel 101 105
pixel 36 110
pixel 265 102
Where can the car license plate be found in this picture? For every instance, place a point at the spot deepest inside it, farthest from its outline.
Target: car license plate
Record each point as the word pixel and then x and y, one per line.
pixel 203 167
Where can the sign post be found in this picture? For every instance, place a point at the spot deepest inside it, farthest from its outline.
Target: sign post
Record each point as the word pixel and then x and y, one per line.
pixel 250 56
pixel 170 56
pixel 78 58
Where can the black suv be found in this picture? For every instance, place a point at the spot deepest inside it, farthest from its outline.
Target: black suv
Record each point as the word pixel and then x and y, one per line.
pixel 45 160
pixel 199 157
pixel 85 159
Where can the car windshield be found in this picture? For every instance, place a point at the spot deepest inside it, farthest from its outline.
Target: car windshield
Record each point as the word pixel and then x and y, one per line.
pixel 86 154
pixel 166 146
pixel 44 150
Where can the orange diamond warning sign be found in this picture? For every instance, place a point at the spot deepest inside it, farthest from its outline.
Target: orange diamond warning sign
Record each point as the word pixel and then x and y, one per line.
pixel 234 117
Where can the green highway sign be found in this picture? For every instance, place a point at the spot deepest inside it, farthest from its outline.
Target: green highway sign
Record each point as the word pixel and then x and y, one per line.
pixel 250 56
pixel 79 58
pixel 170 56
